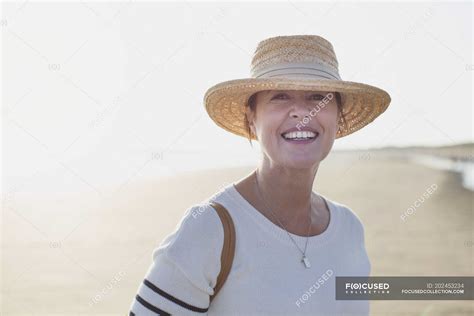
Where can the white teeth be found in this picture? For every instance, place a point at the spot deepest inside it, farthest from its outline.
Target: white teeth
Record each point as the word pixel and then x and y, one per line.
pixel 299 134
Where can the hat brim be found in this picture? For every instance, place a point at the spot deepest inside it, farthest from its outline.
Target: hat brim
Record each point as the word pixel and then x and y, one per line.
pixel 225 102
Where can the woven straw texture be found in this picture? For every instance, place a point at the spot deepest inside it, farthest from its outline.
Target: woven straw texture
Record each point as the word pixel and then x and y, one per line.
pixel 225 102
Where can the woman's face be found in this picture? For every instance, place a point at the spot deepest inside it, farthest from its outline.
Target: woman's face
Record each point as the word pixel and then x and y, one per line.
pixel 311 115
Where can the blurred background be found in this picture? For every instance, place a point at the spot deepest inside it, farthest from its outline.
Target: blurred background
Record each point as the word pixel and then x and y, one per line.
pixel 105 140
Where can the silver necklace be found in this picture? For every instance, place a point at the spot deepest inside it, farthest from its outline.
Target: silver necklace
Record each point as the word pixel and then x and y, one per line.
pixel 304 259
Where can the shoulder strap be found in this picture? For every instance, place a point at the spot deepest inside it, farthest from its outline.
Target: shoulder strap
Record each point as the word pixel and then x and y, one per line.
pixel 228 248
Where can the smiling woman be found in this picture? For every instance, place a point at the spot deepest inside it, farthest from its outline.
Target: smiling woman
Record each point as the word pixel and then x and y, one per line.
pixel 287 237
pixel 297 128
pixel 321 98
pixel 325 107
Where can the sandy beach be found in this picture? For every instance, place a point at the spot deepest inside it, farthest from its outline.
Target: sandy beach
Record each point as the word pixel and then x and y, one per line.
pixel 86 255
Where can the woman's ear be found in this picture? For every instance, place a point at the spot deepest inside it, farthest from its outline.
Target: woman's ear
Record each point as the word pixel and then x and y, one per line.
pixel 250 119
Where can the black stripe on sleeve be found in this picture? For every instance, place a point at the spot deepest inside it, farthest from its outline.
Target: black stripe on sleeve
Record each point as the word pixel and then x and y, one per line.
pixel 175 300
pixel 151 307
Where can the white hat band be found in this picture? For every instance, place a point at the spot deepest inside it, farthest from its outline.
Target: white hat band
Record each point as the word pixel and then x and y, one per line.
pixel 298 70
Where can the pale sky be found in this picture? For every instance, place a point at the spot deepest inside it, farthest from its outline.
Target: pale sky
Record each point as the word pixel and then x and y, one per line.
pixel 92 91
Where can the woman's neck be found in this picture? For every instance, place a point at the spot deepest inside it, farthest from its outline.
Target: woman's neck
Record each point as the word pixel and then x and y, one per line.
pixel 284 193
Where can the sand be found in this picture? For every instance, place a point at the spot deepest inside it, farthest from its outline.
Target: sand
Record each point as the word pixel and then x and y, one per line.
pixel 86 255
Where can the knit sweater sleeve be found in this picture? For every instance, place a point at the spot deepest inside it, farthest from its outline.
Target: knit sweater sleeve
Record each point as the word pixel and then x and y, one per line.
pixel 184 267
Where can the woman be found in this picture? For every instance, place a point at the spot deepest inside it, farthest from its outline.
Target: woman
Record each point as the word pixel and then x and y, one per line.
pixel 291 242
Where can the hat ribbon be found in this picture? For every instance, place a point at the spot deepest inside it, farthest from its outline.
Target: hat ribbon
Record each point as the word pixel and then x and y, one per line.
pixel 298 70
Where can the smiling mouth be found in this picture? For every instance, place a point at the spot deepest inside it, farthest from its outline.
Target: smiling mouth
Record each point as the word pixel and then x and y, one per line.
pixel 300 137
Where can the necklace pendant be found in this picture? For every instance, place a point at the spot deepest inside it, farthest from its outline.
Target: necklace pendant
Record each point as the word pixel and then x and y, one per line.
pixel 306 262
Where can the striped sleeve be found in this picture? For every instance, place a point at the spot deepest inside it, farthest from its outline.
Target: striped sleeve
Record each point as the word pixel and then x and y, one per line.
pixel 184 267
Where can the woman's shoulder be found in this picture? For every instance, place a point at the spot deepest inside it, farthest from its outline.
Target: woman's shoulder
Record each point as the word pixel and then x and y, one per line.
pixel 185 265
pixel 198 228
pixel 349 218
pixel 194 247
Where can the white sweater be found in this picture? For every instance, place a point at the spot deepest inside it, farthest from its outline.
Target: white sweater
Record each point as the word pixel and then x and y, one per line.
pixel 267 275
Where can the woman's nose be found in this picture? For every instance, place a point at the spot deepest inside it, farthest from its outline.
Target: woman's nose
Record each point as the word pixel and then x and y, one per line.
pixel 299 109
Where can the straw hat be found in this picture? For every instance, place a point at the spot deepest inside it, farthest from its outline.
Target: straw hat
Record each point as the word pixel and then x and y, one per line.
pixel 295 62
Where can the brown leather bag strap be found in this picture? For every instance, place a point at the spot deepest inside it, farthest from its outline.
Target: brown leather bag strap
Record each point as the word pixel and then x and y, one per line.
pixel 228 248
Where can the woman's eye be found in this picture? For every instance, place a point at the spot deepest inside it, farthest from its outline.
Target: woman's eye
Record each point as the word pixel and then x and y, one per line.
pixel 316 97
pixel 279 96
